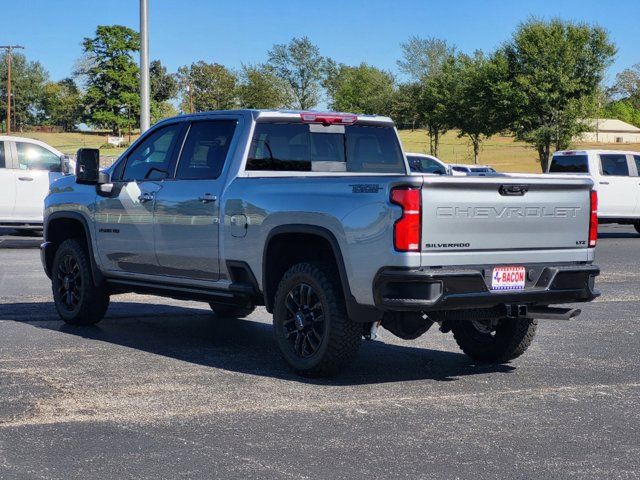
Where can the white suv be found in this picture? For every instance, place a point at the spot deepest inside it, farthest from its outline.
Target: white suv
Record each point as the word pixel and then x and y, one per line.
pixel 615 174
pixel 27 169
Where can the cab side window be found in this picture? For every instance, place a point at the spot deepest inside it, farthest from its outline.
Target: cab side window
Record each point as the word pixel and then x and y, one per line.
pixel 636 158
pixel 614 165
pixel 205 149
pixel 35 157
pixel 3 162
pixel 150 160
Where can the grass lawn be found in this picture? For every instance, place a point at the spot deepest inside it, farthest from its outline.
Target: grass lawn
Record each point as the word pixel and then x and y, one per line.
pixel 502 153
pixel 69 143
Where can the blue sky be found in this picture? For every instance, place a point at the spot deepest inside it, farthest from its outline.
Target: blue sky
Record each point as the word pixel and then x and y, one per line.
pixel 350 31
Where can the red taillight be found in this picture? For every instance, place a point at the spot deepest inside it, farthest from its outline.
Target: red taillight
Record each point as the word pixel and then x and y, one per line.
pixel 328 118
pixel 406 231
pixel 593 222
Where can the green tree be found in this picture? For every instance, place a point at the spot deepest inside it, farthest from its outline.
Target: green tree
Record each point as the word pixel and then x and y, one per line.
pixel 433 105
pixel 553 72
pixel 62 104
pixel 622 110
pixel 164 87
pixel 422 61
pixel 405 105
pixel 207 86
pixel 28 79
pixel 474 103
pixel 423 57
pixel 627 85
pixel 112 98
pixel 259 87
pixel 300 65
pixel 361 89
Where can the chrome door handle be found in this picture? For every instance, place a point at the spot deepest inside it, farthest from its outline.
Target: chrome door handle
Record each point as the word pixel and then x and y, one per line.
pixel 25 179
pixel 207 197
pixel 145 197
pixel 604 183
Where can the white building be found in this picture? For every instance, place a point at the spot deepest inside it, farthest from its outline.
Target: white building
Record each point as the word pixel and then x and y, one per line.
pixel 608 130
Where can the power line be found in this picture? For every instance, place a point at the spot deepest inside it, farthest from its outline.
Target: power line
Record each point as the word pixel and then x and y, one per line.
pixel 8 50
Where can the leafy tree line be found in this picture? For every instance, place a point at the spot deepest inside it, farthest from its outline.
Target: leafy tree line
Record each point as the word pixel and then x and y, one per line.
pixel 538 86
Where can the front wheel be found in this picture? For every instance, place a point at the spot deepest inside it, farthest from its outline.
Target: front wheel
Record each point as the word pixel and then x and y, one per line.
pixel 495 340
pixel 311 325
pixel 77 299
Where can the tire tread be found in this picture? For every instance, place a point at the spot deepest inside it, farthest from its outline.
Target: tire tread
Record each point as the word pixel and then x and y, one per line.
pixel 344 335
pixel 95 302
pixel 511 341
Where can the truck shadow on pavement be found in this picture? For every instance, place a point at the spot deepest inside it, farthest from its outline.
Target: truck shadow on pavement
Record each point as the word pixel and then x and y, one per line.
pixel 244 346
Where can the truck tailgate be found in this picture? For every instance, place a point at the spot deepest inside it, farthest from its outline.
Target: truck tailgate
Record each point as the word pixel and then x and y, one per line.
pixel 504 213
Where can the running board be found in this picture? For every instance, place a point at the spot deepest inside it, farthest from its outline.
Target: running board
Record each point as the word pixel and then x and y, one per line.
pixel 552 313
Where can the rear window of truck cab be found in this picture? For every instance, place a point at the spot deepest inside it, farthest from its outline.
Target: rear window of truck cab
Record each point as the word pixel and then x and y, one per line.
pixel 569 164
pixel 309 147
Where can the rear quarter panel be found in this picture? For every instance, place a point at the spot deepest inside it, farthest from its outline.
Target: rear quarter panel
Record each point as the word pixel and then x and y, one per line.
pixel 355 209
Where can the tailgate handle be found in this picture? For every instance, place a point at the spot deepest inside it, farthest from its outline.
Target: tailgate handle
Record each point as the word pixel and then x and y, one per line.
pixel 513 190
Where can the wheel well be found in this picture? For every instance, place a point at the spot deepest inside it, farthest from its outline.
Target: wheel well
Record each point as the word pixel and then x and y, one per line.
pixel 60 229
pixel 285 250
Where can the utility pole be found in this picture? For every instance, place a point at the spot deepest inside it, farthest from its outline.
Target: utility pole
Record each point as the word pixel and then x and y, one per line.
pixel 190 97
pixel 9 49
pixel 145 111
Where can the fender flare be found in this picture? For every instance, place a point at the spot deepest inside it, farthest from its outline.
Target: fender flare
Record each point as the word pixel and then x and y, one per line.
pixel 357 312
pixel 98 277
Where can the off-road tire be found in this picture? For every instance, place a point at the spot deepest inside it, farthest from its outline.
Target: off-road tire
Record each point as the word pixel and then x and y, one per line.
pixel 341 336
pixel 92 301
pixel 231 311
pixel 511 339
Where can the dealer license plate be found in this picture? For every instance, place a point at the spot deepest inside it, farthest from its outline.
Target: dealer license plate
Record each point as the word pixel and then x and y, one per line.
pixel 508 278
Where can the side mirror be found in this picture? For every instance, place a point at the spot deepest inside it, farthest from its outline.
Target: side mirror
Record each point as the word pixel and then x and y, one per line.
pixel 65 166
pixel 88 166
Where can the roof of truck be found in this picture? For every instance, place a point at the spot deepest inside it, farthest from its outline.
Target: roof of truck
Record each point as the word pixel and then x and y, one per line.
pixel 279 113
pixel 596 151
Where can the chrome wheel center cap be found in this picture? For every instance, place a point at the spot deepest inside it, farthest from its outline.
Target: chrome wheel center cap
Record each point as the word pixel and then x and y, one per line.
pixel 299 320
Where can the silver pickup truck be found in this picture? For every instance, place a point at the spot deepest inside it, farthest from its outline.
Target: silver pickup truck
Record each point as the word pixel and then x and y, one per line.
pixel 317 217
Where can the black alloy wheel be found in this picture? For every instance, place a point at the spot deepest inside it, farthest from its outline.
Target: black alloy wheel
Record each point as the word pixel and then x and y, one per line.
pixel 77 298
pixel 304 326
pixel 70 282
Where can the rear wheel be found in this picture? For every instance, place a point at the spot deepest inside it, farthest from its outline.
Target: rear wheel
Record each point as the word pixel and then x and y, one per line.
pixel 77 299
pixel 311 326
pixel 233 311
pixel 495 340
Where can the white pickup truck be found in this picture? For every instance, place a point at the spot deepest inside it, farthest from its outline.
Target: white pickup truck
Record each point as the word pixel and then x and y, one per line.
pixel 616 177
pixel 27 169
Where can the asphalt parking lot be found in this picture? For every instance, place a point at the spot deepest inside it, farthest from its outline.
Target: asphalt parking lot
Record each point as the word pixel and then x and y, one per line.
pixel 164 389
